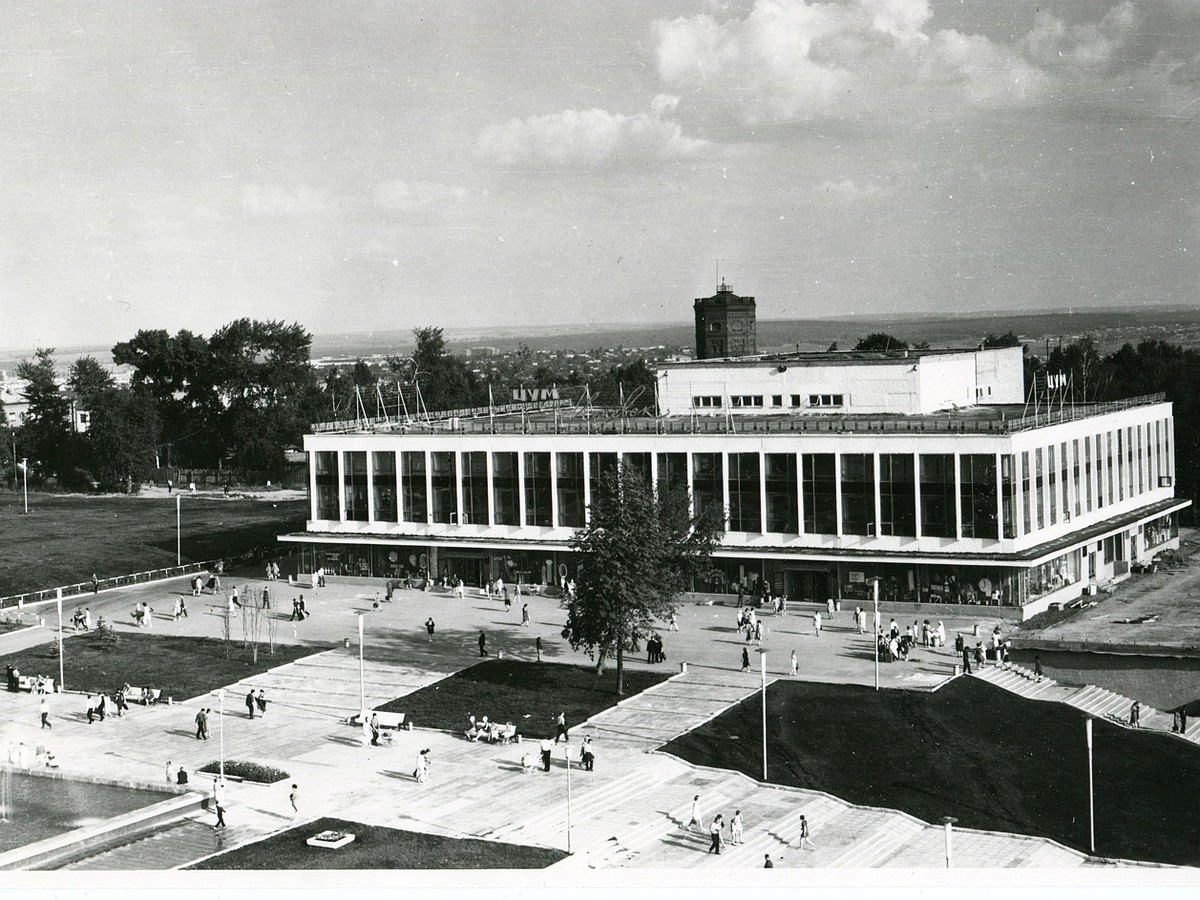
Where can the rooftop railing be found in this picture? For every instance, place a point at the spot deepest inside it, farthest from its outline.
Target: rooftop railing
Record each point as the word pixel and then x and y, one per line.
pixel 504 420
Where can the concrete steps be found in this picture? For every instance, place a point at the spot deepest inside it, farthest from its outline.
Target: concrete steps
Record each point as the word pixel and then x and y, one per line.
pixel 877 847
pixel 174 845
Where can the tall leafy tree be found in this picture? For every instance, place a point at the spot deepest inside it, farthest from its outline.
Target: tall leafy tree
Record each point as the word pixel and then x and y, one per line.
pixel 47 424
pixel 880 341
pixel 123 437
pixel 444 379
pixel 639 551
pixel 89 380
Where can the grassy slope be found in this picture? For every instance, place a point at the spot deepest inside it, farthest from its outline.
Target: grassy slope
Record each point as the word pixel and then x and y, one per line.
pixel 993 760
pixel 376 847
pixel 530 695
pixel 67 537
pixel 182 667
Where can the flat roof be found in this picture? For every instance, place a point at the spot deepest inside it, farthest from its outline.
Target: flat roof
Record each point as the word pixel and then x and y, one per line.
pixel 822 357
pixel 561 417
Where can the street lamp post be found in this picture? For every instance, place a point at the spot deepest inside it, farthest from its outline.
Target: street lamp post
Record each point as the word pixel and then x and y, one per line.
pixel 178 542
pixel 567 754
pixel 362 690
pixel 1091 794
pixel 763 659
pixel 25 472
pixel 220 692
pixel 948 822
pixel 61 687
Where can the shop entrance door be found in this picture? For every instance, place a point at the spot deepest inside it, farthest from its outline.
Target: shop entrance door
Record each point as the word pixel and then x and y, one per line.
pixel 806 585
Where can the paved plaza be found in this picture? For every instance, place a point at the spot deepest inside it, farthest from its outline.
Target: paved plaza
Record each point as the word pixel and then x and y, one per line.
pixel 629 813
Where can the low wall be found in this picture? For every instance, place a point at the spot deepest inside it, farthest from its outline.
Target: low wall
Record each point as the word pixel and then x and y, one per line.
pixel 48 595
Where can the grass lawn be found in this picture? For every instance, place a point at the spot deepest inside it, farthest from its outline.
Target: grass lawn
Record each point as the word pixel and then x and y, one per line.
pixel 993 760
pixel 67 537
pixel 376 847
pixel 182 667
pixel 11 625
pixel 528 694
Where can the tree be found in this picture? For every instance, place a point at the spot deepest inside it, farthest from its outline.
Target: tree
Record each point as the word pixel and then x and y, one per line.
pixel 1007 339
pixel 880 341
pixel 47 425
pixel 123 437
pixel 638 552
pixel 444 380
pixel 363 377
pixel 1081 360
pixel 89 380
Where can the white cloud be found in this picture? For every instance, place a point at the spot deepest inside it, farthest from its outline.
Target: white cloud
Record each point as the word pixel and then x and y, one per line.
pixel 790 60
pixel 412 195
pixel 588 138
pixel 273 200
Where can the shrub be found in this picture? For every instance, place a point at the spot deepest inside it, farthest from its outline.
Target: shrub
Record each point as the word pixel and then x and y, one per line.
pixel 247 771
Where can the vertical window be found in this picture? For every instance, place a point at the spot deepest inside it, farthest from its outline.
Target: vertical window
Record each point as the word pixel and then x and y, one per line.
pixel 569 468
pixel 1075 485
pixel 858 493
pixel 475 488
pixel 603 469
pixel 707 477
pixel 637 462
pixel 1108 467
pixel 1064 480
pixel 383 485
pixel 537 490
pixel 1129 461
pixel 1120 464
pixel 897 495
pixel 937 495
pixel 1039 484
pixel 327 502
pixel 782 493
pixel 1141 461
pixel 1087 469
pixel 1052 470
pixel 978 495
pixel 1025 498
pixel 443 479
pixel 820 493
pixel 505 490
pixel 1008 499
pixel 745 498
pixel 672 471
pixel 412 480
pixel 354 469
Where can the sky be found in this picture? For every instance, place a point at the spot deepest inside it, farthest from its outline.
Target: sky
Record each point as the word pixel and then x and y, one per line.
pixel 360 166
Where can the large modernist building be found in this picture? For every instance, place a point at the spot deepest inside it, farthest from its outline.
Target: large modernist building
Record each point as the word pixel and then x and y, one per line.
pixel 925 469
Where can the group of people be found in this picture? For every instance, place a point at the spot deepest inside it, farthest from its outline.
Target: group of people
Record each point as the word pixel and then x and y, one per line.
pixel 18 755
pixel 272 571
pixel 716 830
pixel 299 610
pixel 491 732
pixel 82 619
pixel 256 702
pixel 654 649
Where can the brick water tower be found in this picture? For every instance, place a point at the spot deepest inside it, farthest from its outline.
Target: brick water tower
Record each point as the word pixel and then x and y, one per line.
pixel 725 325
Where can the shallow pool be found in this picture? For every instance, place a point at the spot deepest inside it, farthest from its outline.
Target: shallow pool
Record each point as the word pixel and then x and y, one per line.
pixel 37 807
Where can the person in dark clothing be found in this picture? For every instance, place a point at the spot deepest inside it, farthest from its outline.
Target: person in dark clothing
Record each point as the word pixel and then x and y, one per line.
pixel 482 644
pixel 250 704
pixel 1037 667
pixel 966 658
pixel 182 777
pixel 538 646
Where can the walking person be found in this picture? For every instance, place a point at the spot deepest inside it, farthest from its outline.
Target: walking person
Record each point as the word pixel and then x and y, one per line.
pixel 1135 715
pixel 538 647
pixel 202 725
pixel 1037 668
pixel 745 660
pixel 714 831
pixel 261 702
pixel 735 828
pixel 695 818
pixel 219 802
pixel 170 770
pixel 44 709
pixel 525 615
pixel 806 835
pixel 430 626
pixel 817 623
pixel 250 704
pixel 560 728
pixel 674 622
pixel 183 608
pixel 767 864
pixel 293 798
pixel 482 644
pixel 546 749
pixel 795 663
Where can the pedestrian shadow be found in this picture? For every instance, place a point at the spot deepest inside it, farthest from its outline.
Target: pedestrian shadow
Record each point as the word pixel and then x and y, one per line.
pixel 183 732
pixel 343 739
pixel 399 776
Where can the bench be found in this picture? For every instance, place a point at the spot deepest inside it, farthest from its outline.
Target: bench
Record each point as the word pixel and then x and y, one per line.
pixel 495 733
pixel 137 695
pixel 30 683
pixel 392 720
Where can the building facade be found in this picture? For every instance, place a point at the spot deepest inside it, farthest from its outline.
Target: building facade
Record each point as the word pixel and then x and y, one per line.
pixel 993 504
pixel 725 325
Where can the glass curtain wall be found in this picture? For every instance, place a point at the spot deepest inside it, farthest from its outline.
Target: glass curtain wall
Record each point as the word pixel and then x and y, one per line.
pixel 978 494
pixel 538 506
pixel 354 464
pixel 819 480
pixel 783 501
pixel 412 479
pixel 858 493
pixel 505 488
pixel 707 477
pixel 897 495
pixel 327 498
pixel 443 478
pixel 383 485
pixel 570 489
pixel 602 469
pixel 938 502
pixel 745 499
pixel 475 488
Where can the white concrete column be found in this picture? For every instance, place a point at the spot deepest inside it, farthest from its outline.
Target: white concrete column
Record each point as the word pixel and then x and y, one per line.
pixel 799 492
pixel 428 492
pixel 958 518
pixel 457 456
pixel 917 494
pixel 762 491
pixel 521 489
pixel 312 485
pixel 491 488
pixel 587 487
pixel 837 493
pixel 341 485
pixel 370 486
pixel 725 486
pixel 875 461
pixel 554 489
